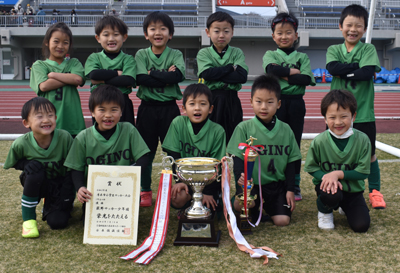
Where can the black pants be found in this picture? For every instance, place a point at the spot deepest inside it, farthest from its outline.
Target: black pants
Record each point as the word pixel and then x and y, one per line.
pixel 292 112
pixel 352 203
pixel 59 196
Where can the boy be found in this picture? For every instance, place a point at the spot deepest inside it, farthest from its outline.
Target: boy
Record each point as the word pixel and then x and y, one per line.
pixel 112 66
pixel 159 70
pixel 294 72
pixel 352 65
pixel 339 161
pixel 107 142
pixel 224 70
pixel 195 135
pixel 40 154
pixel 277 158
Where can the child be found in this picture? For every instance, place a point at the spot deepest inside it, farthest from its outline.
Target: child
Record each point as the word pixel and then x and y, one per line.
pixel 339 161
pixel 195 135
pixel 112 66
pixel 57 79
pixel 159 70
pixel 294 72
pixel 106 137
pixel 40 155
pixel 277 158
pixel 224 70
pixel 353 65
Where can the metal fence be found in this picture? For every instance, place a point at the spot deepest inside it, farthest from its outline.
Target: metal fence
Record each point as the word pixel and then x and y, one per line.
pixel 76 2
pixel 244 21
pixel 391 3
pixel 331 3
pixel 161 2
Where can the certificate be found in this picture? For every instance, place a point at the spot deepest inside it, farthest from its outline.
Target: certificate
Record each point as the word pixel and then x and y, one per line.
pixel 112 214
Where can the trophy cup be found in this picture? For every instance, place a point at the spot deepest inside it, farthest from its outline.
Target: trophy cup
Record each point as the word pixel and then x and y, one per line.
pixel 242 219
pixel 198 225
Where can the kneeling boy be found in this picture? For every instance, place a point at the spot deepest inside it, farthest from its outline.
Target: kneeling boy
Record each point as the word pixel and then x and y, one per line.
pixel 277 158
pixel 40 154
pixel 339 161
pixel 195 135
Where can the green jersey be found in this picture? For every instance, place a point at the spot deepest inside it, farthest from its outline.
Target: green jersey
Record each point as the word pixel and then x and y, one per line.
pixel 52 158
pixel 124 148
pixel 325 156
pixel 147 61
pixel 123 62
pixel 280 148
pixel 293 60
pixel 364 55
pixel 209 58
pixel 209 142
pixel 66 99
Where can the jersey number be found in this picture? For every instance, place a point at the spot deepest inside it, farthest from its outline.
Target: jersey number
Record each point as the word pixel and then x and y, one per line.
pixel 59 93
pixel 271 166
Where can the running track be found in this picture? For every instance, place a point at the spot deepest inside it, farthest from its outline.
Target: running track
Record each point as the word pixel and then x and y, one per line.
pixel 387 108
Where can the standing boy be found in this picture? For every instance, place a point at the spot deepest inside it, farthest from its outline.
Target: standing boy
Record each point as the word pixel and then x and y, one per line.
pixel 159 70
pixel 107 142
pixel 224 70
pixel 339 161
pixel 195 135
pixel 40 154
pixel 294 73
pixel 112 66
pixel 353 65
pixel 277 158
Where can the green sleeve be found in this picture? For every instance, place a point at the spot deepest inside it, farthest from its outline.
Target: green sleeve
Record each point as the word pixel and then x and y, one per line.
pixel 317 175
pixel 269 58
pixel 179 62
pixel 141 67
pixel 14 155
pixel 370 58
pixel 240 59
pixel 219 147
pixel 77 69
pixel 305 68
pixel 92 63
pixel 203 61
pixel 312 161
pixel 171 141
pixel 354 175
pixel 39 74
pixel 332 54
pixel 238 136
pixel 76 158
pixel 364 163
pixel 294 148
pixel 129 68
pixel 138 146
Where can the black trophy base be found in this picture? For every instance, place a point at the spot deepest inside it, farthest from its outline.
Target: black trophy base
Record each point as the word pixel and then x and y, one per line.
pixel 198 232
pixel 243 224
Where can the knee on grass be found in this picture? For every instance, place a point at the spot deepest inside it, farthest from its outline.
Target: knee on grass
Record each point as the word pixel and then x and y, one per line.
pixel 57 219
pixel 281 220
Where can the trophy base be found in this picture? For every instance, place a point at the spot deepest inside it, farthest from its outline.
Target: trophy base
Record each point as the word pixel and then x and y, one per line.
pixel 243 224
pixel 199 232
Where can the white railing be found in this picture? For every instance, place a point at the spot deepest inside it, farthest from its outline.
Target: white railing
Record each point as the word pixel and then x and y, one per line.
pixel 76 2
pixel 245 21
pixel 391 3
pixel 161 2
pixel 331 3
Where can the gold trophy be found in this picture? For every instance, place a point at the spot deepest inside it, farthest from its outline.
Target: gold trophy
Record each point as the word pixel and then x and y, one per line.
pixel 242 219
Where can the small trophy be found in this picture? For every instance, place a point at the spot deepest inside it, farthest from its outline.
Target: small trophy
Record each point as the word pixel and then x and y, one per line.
pixel 198 225
pixel 242 219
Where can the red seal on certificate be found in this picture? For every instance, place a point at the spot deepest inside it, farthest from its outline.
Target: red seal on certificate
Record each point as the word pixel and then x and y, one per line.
pixel 127 231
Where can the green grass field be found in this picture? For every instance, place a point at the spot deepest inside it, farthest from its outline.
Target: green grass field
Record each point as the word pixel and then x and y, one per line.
pixel 304 247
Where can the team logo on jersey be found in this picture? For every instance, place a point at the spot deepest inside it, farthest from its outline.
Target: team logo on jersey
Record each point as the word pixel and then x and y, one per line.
pixel 109 159
pixel 192 150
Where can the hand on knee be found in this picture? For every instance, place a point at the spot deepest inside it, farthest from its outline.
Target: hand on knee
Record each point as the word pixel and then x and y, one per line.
pixel 181 198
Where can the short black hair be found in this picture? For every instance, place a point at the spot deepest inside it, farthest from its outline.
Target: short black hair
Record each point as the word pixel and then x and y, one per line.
pixel 284 18
pixel 196 89
pixel 113 22
pixel 37 103
pixel 60 26
pixel 220 16
pixel 106 93
pixel 158 16
pixel 269 82
pixel 343 98
pixel 356 11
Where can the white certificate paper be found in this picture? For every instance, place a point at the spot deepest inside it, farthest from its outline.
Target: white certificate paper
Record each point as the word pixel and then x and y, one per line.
pixel 112 214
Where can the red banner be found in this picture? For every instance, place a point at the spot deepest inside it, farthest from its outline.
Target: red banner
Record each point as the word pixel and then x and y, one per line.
pixel 254 3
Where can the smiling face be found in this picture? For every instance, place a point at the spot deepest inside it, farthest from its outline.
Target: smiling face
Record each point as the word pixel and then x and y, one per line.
pixel 338 120
pixel 265 104
pixel 197 109
pixel 111 40
pixel 41 122
pixel 58 45
pixel 353 29
pixel 158 35
pixel 107 115
pixel 284 35
pixel 220 34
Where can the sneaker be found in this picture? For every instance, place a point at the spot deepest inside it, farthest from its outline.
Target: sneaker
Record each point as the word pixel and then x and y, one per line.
pixel 145 198
pixel 341 211
pixel 297 193
pixel 325 221
pixel 29 229
pixel 376 200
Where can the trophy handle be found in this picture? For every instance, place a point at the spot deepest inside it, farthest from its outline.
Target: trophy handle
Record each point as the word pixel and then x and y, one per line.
pixel 167 163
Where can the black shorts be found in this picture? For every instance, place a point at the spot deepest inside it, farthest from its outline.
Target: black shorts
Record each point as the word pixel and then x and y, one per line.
pixel 274 195
pixel 368 128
